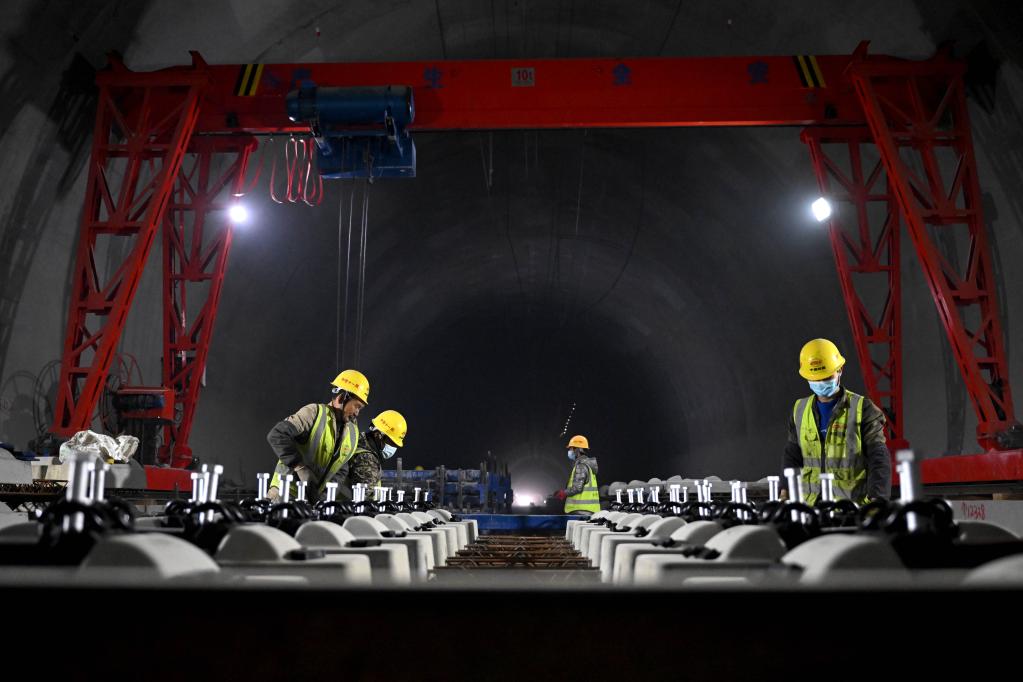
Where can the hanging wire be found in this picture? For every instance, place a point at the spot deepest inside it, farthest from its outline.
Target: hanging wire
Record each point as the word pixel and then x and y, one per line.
pixel 488 167
pixel 361 304
pixel 337 307
pixel 579 194
pixel 343 335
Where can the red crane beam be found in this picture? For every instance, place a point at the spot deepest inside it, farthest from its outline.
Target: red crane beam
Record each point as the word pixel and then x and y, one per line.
pixel 796 90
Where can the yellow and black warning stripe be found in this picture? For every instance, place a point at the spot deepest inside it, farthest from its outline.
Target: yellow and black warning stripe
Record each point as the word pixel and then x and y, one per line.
pixel 809 71
pixel 248 80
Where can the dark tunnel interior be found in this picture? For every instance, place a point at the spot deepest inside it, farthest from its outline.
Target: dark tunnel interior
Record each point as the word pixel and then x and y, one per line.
pixel 648 288
pixel 610 282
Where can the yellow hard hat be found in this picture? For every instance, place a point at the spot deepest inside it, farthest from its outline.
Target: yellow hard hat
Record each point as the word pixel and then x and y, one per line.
pixel 579 442
pixel 391 424
pixel 819 359
pixel 355 382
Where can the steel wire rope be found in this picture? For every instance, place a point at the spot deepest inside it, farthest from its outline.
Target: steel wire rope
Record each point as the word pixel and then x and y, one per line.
pixel 361 302
pixel 342 330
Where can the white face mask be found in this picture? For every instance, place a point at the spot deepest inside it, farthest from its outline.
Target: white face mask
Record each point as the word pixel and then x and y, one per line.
pixel 828 387
pixel 388 451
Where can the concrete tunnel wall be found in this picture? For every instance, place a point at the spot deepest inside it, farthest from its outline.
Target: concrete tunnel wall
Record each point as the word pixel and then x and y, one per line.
pixel 661 281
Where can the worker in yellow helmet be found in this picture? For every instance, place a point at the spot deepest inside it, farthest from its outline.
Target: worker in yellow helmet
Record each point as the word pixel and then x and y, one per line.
pixel 836 431
pixel 581 496
pixel 315 442
pixel 380 443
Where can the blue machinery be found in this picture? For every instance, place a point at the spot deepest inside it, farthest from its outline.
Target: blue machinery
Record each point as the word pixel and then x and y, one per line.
pixel 359 132
pixel 488 488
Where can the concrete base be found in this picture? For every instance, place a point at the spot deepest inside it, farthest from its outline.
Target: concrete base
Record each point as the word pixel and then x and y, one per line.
pixel 1006 513
pixel 130 475
pixel 13 470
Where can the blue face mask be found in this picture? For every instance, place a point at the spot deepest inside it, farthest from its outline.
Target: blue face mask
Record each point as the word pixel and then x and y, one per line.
pixel 388 451
pixel 571 455
pixel 826 388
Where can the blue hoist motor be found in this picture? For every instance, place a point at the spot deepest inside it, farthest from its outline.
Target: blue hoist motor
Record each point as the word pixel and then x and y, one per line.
pixel 361 132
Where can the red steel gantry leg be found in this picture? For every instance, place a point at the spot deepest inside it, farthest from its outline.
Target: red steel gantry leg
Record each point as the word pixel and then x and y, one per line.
pixel 144 123
pixel 195 250
pixel 918 117
pixel 865 243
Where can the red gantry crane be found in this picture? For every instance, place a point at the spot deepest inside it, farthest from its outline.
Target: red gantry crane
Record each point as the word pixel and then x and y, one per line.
pixel 889 139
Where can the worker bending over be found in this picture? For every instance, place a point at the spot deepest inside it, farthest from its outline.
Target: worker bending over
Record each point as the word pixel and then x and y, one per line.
pixel 381 442
pixel 315 442
pixel 581 495
pixel 836 431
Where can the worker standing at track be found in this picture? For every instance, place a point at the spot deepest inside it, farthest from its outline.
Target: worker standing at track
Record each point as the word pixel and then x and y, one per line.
pixel 315 442
pixel 836 431
pixel 381 442
pixel 581 495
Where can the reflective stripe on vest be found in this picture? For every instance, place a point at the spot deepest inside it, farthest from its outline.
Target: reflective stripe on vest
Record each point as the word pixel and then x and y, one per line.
pixel 588 499
pixel 842 453
pixel 318 453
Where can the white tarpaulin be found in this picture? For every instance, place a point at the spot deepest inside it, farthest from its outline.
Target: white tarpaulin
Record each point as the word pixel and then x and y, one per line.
pixel 105 447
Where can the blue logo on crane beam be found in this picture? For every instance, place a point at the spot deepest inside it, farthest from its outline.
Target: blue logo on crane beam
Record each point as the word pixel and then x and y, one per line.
pixel 622 75
pixel 432 77
pixel 757 71
pixel 360 132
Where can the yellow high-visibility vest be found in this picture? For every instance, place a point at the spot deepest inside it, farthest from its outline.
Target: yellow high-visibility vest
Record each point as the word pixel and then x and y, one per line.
pixel 587 500
pixel 319 453
pixel 842 454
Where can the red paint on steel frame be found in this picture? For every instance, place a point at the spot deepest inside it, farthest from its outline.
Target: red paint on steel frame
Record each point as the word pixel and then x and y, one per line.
pixel 865 244
pixel 915 132
pixel 146 122
pixel 1006 465
pixel 555 93
pixel 196 243
pixel 168 478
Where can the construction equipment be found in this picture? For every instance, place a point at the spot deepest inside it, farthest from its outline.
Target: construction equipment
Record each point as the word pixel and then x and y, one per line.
pixel 144 412
pixel 487 489
pixel 157 133
pixel 793 541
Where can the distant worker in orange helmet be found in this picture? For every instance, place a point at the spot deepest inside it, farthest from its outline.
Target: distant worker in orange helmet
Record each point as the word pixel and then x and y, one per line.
pixel 581 495
pixel 315 442
pixel 836 431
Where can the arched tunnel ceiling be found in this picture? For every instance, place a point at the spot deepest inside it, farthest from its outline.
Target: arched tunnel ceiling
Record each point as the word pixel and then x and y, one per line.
pixel 659 281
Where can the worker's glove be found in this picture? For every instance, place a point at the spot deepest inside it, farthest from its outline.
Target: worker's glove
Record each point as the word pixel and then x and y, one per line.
pixel 273 494
pixel 561 494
